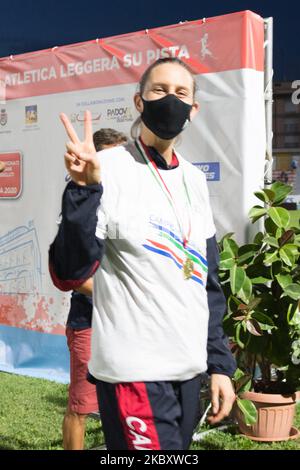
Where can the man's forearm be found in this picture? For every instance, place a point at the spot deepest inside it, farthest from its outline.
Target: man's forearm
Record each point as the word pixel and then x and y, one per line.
pixel 86 288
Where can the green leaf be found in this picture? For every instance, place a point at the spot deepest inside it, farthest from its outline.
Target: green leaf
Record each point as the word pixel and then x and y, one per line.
pixel 292 311
pixel 246 386
pixel 245 292
pixel 265 322
pixel 256 213
pixel 287 256
pixel 254 303
pixel 293 291
pixel 259 274
pixel 258 238
pixel 238 336
pixel 292 248
pixel 238 375
pixel 249 411
pixel 226 260
pixel 280 216
pixel 276 268
pixel 235 300
pixel 221 242
pixel 279 232
pixel 230 246
pixel 249 248
pixel 241 317
pixel 281 191
pixel 246 253
pixel 246 259
pixel 297 240
pixel 242 383
pixel 284 280
pixel 237 278
pixel 259 280
pixel 270 227
pixel 270 194
pixel 253 327
pixel 271 257
pixel 271 241
pixel 266 195
pixel 262 196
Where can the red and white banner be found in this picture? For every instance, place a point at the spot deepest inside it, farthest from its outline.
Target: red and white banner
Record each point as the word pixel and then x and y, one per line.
pixel 226 141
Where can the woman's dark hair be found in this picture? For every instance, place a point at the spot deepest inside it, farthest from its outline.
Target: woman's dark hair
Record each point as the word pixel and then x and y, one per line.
pixel 145 77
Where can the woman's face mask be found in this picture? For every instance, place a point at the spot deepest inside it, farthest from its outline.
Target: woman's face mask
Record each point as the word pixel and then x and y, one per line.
pixel 167 116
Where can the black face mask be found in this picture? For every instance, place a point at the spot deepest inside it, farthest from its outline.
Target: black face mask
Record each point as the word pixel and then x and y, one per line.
pixel 167 116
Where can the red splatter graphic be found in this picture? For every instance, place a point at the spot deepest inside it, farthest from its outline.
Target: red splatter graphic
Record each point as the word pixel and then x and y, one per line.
pixel 13 313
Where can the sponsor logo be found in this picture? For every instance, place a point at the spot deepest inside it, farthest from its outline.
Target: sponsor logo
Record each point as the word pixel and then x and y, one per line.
pixel 79 117
pixel 3 117
pixel 137 430
pixel 205 51
pixel 211 170
pixel 122 114
pixel 31 115
pixel 95 102
pixel 11 178
pixel 73 117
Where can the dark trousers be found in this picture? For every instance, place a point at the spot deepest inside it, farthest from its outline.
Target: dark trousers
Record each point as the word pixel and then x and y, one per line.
pixel 149 415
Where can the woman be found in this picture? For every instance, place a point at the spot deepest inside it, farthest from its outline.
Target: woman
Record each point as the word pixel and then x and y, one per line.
pixel 158 306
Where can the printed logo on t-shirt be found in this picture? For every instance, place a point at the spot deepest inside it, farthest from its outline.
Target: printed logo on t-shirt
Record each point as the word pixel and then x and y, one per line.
pixel 168 243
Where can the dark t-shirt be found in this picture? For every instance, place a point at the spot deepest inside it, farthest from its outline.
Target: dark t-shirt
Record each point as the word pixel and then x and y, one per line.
pixel 80 314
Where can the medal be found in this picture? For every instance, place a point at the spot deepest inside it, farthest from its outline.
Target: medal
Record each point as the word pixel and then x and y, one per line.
pixel 188 268
pixel 188 265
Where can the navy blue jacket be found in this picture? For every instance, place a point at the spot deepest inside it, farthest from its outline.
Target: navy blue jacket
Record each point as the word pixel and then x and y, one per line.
pixel 76 252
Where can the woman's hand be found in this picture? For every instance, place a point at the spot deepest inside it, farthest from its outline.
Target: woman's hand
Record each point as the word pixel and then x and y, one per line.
pixel 222 397
pixel 81 159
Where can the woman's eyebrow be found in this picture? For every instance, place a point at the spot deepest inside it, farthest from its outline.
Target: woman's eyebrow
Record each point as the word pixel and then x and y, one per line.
pixel 159 84
pixel 163 84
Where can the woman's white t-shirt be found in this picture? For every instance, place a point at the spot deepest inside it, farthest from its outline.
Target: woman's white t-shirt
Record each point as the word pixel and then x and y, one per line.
pixel 149 323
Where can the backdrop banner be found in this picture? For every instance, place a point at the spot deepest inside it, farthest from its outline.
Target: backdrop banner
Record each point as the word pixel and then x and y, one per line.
pixel 226 140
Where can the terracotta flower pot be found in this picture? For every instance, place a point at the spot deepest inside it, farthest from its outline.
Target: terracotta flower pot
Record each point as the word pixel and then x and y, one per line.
pixel 275 417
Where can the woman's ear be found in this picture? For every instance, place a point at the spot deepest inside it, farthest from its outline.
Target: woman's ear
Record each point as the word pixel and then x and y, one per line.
pixel 194 110
pixel 138 102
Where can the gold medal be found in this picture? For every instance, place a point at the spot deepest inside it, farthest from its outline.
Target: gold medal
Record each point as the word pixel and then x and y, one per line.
pixel 188 268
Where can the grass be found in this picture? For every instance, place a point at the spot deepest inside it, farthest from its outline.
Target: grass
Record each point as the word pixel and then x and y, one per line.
pixel 31 413
pixel 232 440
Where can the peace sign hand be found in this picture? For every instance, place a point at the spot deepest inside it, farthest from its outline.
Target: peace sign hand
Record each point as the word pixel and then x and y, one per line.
pixel 80 159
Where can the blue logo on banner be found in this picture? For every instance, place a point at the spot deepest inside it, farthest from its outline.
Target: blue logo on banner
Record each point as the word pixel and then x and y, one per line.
pixel 211 170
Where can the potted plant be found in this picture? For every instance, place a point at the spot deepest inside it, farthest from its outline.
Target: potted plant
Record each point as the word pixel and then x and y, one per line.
pixel 261 282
